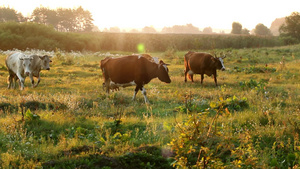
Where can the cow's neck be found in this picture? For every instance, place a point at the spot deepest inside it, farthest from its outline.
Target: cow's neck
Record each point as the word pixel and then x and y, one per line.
pixel 153 71
pixel 37 65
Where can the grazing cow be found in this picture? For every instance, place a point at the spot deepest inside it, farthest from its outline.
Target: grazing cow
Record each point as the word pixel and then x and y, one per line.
pixel 36 65
pixel 133 70
pixel 19 66
pixel 202 63
pixel 39 63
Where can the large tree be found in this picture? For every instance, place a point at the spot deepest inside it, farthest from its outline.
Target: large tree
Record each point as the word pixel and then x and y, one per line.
pixel 236 28
pixel 83 19
pixel 45 16
pixel 262 30
pixel 8 14
pixel 66 20
pixel 291 28
pixel 207 30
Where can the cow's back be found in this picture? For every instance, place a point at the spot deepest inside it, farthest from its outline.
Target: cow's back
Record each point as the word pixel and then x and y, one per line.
pixel 200 62
pixel 12 61
pixel 123 69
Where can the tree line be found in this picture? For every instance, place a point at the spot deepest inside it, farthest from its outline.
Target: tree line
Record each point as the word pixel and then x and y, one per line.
pixel 62 19
pixel 70 29
pixel 30 35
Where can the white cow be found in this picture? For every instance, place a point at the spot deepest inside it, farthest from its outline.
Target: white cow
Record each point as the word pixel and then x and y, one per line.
pixel 37 63
pixel 19 66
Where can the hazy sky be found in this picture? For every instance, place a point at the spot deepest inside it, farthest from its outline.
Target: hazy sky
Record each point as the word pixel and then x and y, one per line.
pixel 218 14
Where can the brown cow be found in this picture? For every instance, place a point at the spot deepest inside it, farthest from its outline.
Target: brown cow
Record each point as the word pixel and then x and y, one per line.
pixel 133 70
pixel 202 63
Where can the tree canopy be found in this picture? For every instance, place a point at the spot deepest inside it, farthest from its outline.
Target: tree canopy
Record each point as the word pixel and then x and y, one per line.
pixel 291 28
pixel 188 28
pixel 62 19
pixel 262 30
pixel 236 28
pixel 8 14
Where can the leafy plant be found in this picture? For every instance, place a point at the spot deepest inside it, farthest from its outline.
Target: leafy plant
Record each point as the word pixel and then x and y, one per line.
pixel 253 84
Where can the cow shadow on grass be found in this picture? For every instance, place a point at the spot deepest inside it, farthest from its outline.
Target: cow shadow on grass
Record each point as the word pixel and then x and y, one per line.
pixel 8 108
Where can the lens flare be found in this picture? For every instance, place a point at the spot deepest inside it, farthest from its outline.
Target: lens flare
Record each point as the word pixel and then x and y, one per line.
pixel 141 48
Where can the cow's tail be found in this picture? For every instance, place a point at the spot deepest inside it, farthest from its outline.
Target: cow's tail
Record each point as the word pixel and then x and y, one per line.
pixel 186 65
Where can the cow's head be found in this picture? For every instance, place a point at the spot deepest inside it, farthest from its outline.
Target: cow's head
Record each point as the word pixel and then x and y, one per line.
pixel 45 62
pixel 26 63
pixel 163 72
pixel 218 61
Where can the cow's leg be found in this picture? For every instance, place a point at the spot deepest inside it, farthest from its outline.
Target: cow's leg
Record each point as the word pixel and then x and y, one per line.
pixel 145 97
pixel 38 82
pixel 31 80
pixel 135 92
pixel 185 74
pixel 14 80
pixel 192 77
pixel 215 78
pixel 21 82
pixel 202 77
pixel 9 81
pixel 107 85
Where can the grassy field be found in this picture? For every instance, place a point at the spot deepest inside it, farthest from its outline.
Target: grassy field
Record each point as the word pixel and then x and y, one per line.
pixel 251 120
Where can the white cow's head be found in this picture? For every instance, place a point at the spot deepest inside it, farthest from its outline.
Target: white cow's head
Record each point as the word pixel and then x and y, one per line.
pixel 26 64
pixel 45 62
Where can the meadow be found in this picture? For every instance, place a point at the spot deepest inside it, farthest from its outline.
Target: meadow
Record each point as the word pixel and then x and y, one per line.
pixel 251 120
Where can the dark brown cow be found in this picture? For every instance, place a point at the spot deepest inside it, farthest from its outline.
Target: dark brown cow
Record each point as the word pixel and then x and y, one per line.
pixel 202 63
pixel 133 70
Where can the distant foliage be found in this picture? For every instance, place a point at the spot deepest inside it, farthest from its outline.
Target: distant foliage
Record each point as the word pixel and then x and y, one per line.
pixel 36 36
pixel 236 28
pixel 262 30
pixel 290 31
pixel 65 20
pixel 24 36
pixel 62 19
pixel 188 28
pixel 9 14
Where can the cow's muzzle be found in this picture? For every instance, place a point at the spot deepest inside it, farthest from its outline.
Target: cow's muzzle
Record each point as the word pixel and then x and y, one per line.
pixel 223 68
pixel 27 73
pixel 48 69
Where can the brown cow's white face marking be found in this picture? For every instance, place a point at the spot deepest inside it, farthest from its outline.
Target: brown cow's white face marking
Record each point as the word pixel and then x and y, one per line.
pixel 165 66
pixel 222 62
